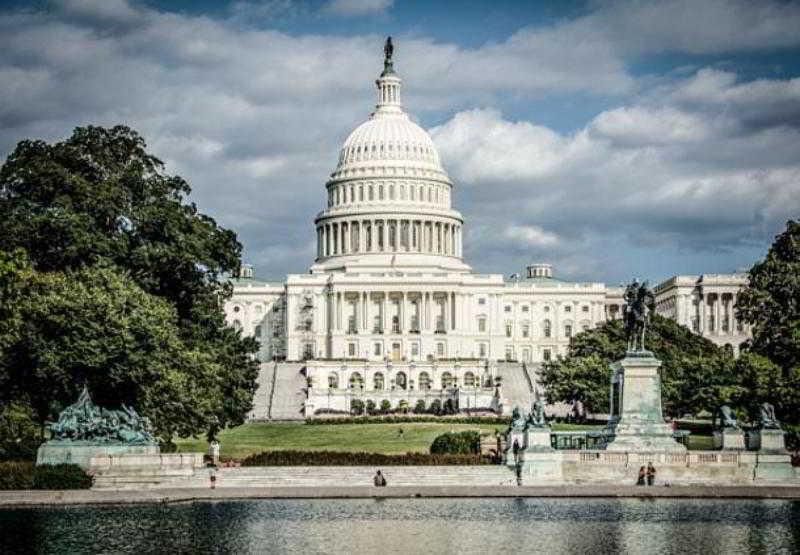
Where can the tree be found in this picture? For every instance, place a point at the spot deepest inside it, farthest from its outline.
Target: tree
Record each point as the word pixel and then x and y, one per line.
pixel 771 301
pixel 584 373
pixel 96 326
pixel 100 199
pixel 419 407
pixel 386 406
pixel 356 407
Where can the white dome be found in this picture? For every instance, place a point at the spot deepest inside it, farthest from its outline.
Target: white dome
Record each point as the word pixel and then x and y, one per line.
pixel 391 138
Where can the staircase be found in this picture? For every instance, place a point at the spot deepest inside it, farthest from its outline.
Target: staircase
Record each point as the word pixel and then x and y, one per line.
pixel 287 395
pixel 261 399
pixel 347 476
pixel 517 385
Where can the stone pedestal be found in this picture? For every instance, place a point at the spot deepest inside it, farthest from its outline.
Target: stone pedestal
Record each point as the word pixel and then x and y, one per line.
pixel 769 441
pixel 519 437
pixel 82 452
pixel 729 439
pixel 537 440
pixel 641 425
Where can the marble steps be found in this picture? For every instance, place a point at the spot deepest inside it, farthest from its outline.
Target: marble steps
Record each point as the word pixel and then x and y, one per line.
pixel 516 387
pixel 288 394
pixel 263 395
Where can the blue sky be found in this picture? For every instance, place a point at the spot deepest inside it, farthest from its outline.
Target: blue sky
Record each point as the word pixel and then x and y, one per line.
pixel 611 139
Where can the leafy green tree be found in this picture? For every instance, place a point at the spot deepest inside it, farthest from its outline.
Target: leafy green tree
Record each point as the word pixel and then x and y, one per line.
pixel 419 407
pixel 771 301
pixel 20 435
pixel 436 407
pixel 100 199
pixel 584 373
pixel 386 406
pixel 356 407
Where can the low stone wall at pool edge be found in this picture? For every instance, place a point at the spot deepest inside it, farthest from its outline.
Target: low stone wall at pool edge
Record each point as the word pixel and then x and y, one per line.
pixel 718 468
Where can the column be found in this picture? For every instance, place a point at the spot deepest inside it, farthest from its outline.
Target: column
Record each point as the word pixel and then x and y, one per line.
pixel 703 315
pixel 384 235
pixel 402 312
pixel 396 244
pixel 718 315
pixel 426 312
pixel 383 313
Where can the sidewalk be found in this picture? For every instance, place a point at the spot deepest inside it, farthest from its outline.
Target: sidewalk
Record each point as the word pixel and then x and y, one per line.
pixel 11 499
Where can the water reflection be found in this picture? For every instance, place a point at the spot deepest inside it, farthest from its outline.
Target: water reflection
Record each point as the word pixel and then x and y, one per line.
pixel 412 526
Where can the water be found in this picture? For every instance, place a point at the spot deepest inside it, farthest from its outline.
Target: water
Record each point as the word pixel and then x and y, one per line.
pixel 366 526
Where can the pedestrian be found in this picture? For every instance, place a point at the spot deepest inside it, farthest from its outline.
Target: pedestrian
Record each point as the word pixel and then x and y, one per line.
pixel 212 477
pixel 515 447
pixel 214 452
pixel 379 480
pixel 642 476
pixel 651 473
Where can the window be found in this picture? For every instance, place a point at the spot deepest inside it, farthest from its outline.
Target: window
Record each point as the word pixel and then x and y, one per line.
pixel 509 329
pixel 356 381
pixel 351 349
pixel 482 325
pixel 447 380
pixel 257 332
pixel 236 309
pixel 378 349
pixel 509 352
pixel 469 379
pixel 424 381
pixel 547 328
pixel 400 380
pixel 546 309
pixel 585 308
pixel 567 308
pixel 525 308
pixel 415 350
pixel 482 300
pixel 440 349
pixel 508 308
pixel 526 331
pixel 567 330
pixel 546 356
pixel 482 350
pixel 377 381
pixel 333 381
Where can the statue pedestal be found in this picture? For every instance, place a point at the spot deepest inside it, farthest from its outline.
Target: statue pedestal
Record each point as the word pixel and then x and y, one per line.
pixel 641 425
pixel 729 439
pixel 519 437
pixel 81 452
pixel 537 440
pixel 768 441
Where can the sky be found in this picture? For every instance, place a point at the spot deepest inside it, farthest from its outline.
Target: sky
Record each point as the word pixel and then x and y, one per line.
pixel 610 139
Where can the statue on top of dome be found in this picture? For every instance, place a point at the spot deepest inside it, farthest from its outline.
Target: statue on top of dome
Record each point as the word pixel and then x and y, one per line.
pixel 388 49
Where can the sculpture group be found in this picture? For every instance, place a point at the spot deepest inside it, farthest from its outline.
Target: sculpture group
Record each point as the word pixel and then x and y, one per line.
pixel 638 302
pixel 85 421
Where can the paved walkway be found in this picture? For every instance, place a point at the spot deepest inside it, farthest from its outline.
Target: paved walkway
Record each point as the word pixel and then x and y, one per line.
pixel 10 499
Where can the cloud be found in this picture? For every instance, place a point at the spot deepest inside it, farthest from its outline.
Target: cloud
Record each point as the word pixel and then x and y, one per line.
pixel 676 170
pixel 357 8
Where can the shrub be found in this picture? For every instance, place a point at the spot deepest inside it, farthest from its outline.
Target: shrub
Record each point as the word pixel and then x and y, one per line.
pixel 456 443
pixel 20 435
pixel 370 407
pixel 436 407
pixel 386 406
pixel 337 458
pixel 792 437
pixel 25 475
pixel 410 418
pixel 356 407
pixel 419 408
pixel 16 475
pixel 61 476
pixel 449 407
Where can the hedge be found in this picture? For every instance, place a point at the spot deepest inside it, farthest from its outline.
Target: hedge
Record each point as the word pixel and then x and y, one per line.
pixel 26 475
pixel 468 442
pixel 338 458
pixel 407 419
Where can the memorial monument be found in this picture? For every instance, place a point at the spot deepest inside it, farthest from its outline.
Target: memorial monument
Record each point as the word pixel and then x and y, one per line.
pixel 84 430
pixel 637 422
pixel 728 435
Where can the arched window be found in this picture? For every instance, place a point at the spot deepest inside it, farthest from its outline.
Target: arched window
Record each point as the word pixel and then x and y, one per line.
pixel 333 381
pixel 400 380
pixel 547 328
pixel 447 380
pixel 371 192
pixel 469 379
pixel 424 381
pixel 356 381
pixel 361 193
pixel 257 332
pixel 380 192
pixel 391 191
pixel 377 381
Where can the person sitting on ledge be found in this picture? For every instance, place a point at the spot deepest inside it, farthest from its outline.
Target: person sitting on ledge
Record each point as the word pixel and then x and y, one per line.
pixel 642 475
pixel 379 480
pixel 651 473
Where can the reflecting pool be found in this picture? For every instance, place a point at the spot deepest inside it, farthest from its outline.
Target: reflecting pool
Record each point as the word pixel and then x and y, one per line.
pixel 366 526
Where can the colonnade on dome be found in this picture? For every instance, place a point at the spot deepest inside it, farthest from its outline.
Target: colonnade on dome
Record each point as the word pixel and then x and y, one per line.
pixel 429 235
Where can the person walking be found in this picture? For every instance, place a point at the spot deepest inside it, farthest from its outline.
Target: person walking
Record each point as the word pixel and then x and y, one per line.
pixel 651 473
pixel 642 476
pixel 379 480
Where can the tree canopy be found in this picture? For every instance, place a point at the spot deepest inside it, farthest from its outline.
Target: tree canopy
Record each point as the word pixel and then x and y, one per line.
pixel 110 277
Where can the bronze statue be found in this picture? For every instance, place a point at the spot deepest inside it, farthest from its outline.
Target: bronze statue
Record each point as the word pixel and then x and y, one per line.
pixel 517 420
pixel 638 302
pixel 85 421
pixel 727 420
pixel 388 49
pixel 536 418
pixel 768 419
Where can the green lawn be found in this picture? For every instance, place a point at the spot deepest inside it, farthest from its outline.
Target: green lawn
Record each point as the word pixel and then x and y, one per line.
pixel 256 437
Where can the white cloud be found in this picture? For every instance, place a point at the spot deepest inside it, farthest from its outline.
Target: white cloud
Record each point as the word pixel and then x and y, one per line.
pixel 530 235
pixel 357 8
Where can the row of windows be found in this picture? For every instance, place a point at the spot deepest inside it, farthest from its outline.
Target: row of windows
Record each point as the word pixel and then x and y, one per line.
pixel 401 381
pixel 525 308
pixel 358 153
pixel 432 194
pixel 547 328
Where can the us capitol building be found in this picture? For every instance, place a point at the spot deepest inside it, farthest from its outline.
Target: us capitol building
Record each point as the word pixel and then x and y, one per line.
pixel 390 309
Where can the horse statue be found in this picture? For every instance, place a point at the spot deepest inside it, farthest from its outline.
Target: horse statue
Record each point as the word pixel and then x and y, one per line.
pixel 638 302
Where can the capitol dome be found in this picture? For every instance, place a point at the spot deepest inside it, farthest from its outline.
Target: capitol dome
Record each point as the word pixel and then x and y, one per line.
pixel 389 198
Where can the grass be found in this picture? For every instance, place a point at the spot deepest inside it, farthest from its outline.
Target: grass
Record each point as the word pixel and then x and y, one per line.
pixel 255 437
